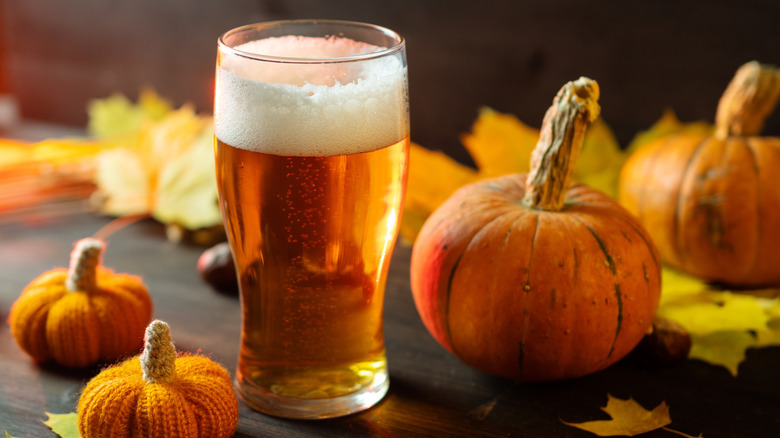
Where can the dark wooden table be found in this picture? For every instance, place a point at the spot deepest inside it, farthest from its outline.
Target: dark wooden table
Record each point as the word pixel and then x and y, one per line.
pixel 432 393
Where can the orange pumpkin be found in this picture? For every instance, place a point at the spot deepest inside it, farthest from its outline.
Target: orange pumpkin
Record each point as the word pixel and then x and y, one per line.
pixel 710 202
pixel 525 277
pixel 159 395
pixel 82 315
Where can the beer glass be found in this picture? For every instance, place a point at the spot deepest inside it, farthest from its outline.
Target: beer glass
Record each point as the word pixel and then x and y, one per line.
pixel 311 122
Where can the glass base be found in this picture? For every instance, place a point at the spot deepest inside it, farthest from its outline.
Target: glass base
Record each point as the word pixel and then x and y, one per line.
pixel 271 403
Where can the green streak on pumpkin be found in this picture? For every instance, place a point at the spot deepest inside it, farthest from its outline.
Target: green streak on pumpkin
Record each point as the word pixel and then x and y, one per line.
pixel 619 297
pixel 618 294
pixel 610 262
pixel 649 245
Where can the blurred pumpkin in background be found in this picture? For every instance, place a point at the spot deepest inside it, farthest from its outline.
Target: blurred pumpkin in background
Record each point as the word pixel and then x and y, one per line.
pixel 711 202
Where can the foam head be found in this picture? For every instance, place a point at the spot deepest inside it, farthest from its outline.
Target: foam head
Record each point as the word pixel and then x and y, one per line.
pixel 307 106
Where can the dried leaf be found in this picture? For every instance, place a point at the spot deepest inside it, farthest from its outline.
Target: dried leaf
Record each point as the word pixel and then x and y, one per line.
pixel 770 336
pixel 64 425
pixel 601 159
pixel 722 324
pixel 8 435
pixel 722 348
pixel 433 177
pixel 166 171
pixel 710 311
pixel 186 191
pixel 667 125
pixel 629 418
pixel 500 144
pixel 117 115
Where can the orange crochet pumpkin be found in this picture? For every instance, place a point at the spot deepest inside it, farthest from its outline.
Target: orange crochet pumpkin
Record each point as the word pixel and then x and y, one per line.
pixel 526 277
pixel 159 395
pixel 710 202
pixel 82 315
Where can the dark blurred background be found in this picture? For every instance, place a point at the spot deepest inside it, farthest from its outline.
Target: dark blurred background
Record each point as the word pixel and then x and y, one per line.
pixel 513 56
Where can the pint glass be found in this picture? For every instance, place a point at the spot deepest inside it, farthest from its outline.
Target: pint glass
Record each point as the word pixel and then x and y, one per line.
pixel 311 122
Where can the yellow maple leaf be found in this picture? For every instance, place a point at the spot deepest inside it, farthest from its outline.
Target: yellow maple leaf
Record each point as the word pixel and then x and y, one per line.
pixel 628 418
pixel 499 144
pixel 64 425
pixel 712 310
pixel 722 324
pixel 116 115
pixel 600 159
pixel 723 348
pixel 667 125
pixel 166 171
pixel 433 177
pixel 771 335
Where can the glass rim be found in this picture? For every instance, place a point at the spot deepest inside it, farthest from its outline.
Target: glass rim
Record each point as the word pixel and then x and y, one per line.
pixel 400 42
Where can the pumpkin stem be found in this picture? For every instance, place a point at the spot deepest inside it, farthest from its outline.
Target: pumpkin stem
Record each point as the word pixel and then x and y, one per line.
pixel 84 260
pixel 158 360
pixel 560 140
pixel 749 99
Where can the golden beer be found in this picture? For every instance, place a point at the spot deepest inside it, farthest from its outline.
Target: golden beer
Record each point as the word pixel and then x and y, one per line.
pixel 329 224
pixel 311 168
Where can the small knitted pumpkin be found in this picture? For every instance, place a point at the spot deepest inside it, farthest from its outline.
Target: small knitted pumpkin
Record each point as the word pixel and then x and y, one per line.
pixel 82 315
pixel 159 395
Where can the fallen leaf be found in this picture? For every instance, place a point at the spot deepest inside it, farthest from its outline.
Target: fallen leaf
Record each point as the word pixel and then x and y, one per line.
pixel 482 411
pixel 500 144
pixel 770 336
pixel 723 324
pixel 628 418
pixel 600 159
pixel 710 311
pixel 723 348
pixel 186 191
pixel 117 115
pixel 433 177
pixel 8 435
pixel 166 170
pixel 667 125
pixel 64 425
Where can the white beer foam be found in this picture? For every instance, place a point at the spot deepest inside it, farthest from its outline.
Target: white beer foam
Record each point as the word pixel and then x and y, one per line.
pixel 333 109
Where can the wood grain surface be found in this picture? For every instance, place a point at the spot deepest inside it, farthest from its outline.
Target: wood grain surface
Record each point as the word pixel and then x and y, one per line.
pixel 432 394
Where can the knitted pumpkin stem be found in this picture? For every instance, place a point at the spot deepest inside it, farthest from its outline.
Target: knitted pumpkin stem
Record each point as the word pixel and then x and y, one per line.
pixel 560 140
pixel 158 360
pixel 749 99
pixel 84 260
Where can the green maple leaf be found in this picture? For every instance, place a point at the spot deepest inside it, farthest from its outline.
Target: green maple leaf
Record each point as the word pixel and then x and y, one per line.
pixel 64 425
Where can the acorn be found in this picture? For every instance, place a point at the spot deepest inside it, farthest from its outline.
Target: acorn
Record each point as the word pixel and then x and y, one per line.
pixel 666 343
pixel 217 268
